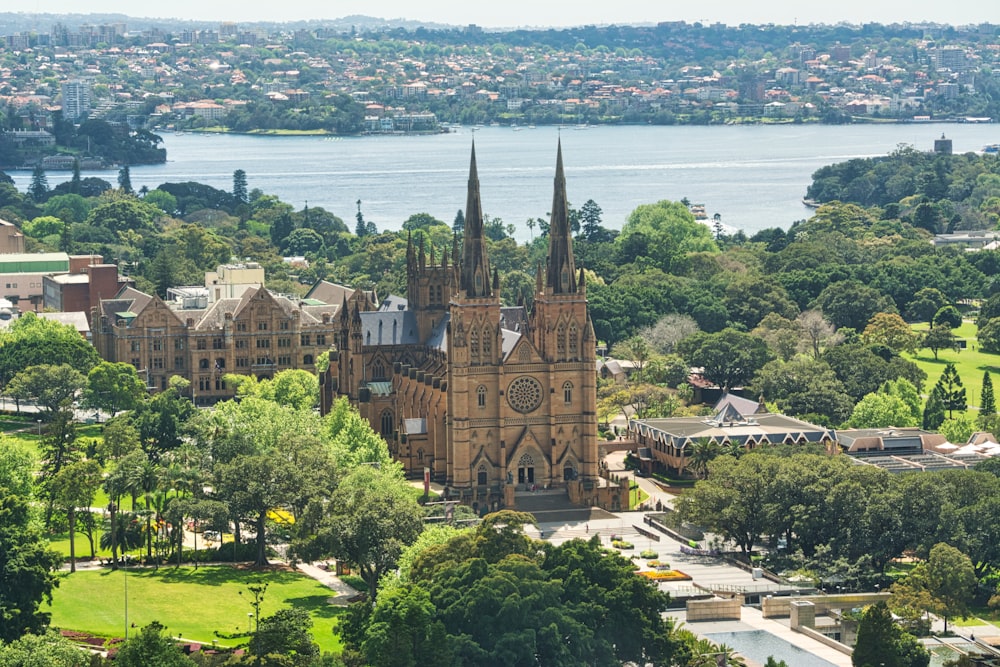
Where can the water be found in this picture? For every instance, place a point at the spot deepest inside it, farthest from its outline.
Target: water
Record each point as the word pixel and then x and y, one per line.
pixel 753 176
pixel 758 645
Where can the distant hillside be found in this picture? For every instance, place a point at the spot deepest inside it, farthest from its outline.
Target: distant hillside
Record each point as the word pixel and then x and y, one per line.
pixel 14 22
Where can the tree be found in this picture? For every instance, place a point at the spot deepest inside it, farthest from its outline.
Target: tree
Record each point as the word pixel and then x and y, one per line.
pixel 590 223
pixel 729 358
pixel 38 190
pixel 34 341
pixel 952 391
pixel 113 387
pixel 254 485
pixel 664 232
pixel 151 647
pixel 881 410
pixel 987 402
pixel 890 330
pixel 125 180
pixel 74 487
pixel 285 636
pixel 925 304
pixel 881 642
pixel 635 349
pixel 26 571
pixel 939 337
pixel 43 650
pixel 951 581
pixel 240 194
pixel 50 387
pixel 948 316
pixel 852 304
pixel 934 411
pixel 733 500
pixel 668 331
pixel 989 335
pixel 816 331
pixel 370 517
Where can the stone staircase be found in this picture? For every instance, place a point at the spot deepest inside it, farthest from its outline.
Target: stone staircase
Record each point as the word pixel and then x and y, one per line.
pixel 553 505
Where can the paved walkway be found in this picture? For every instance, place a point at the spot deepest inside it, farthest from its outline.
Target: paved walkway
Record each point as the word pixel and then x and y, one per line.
pixel 342 591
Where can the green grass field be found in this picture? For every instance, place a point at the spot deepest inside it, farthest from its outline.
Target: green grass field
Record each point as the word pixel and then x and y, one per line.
pixel 970 364
pixel 192 603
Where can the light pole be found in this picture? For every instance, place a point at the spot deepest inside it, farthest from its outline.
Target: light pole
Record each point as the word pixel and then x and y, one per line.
pixel 249 622
pixel 39 427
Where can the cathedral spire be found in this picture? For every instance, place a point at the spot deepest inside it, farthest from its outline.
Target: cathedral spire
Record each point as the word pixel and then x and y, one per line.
pixel 475 276
pixel 561 273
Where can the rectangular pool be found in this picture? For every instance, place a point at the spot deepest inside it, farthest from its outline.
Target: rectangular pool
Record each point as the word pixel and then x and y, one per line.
pixel 759 645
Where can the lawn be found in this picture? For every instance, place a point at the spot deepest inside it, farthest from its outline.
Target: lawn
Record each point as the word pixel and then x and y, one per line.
pixel 970 363
pixel 192 603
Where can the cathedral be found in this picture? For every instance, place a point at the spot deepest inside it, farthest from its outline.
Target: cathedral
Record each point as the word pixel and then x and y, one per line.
pixel 488 400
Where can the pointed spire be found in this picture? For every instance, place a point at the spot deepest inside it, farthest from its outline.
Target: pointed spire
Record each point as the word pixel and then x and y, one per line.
pixel 582 280
pixel 444 258
pixel 539 285
pixel 344 309
pixel 423 254
pixel 496 281
pixel 475 265
pixel 432 255
pixel 561 273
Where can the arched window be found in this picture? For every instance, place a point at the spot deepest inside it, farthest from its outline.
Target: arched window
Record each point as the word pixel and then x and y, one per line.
pixel 574 341
pixel 481 475
pixel 440 294
pixel 378 370
pixel 481 396
pixel 387 424
pixel 567 393
pixel 561 340
pixel 474 346
pixel 487 347
pixel 203 364
pixel 307 360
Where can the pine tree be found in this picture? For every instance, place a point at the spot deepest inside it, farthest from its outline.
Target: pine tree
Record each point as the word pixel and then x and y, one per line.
pixel 952 391
pixel 988 404
pixel 240 187
pixel 362 228
pixel 459 225
pixel 125 179
pixel 74 184
pixel 39 188
pixel 933 411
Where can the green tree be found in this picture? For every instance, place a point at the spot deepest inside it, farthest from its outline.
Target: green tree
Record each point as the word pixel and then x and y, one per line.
pixel 240 194
pixel 951 581
pixel 852 304
pixel 369 519
pixel 952 391
pixel 881 410
pixel 113 387
pixel 665 232
pixel 948 316
pixel 989 335
pixel 881 642
pixel 34 341
pixel 925 304
pixel 729 358
pixel 939 337
pixel 51 387
pixel 27 569
pixel 151 647
pixel 43 650
pixel 636 349
pixel 125 180
pixel 285 636
pixel 38 190
pixel 934 411
pixel 987 402
pixel 74 487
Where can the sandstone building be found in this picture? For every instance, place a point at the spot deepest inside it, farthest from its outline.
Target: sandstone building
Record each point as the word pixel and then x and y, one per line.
pixel 489 399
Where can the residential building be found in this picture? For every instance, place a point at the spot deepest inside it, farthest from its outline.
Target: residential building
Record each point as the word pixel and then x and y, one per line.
pixel 75 100
pixel 488 400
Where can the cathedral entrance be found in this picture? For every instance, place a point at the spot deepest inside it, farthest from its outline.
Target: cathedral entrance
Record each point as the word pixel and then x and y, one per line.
pixel 526 470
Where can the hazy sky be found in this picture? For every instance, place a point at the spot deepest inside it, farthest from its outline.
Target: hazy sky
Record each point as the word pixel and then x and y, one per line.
pixel 512 13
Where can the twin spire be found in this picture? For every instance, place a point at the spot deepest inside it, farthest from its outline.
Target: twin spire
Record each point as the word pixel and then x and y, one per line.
pixel 475 279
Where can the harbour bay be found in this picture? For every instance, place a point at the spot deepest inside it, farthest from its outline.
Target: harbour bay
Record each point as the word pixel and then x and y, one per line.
pixel 753 176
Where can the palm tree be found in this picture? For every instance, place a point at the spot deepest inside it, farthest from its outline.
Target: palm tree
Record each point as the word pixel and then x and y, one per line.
pixel 702 451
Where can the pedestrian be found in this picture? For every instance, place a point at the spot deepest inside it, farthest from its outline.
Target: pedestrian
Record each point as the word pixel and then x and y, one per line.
pixel 588 527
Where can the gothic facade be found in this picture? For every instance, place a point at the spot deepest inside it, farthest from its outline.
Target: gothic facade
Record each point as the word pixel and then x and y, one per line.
pixel 489 399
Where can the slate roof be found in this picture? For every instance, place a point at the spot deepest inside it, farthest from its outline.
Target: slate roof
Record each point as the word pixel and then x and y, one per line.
pixel 389 328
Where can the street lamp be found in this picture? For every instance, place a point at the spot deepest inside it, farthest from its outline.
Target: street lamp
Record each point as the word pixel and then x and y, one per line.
pixel 249 622
pixel 39 427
